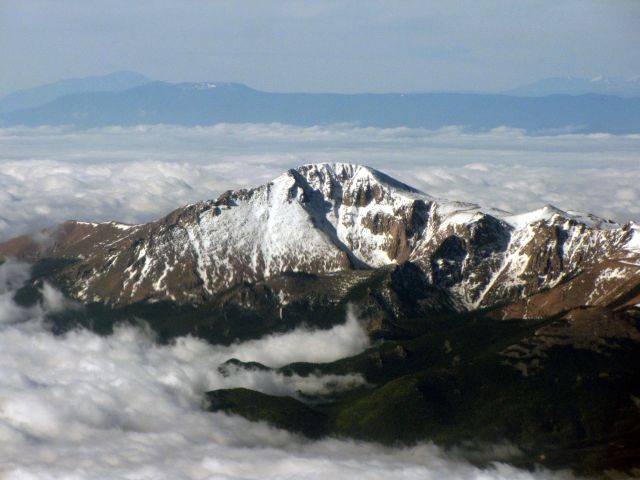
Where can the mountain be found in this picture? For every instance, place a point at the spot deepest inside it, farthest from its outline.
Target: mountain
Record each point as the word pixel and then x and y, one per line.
pixel 328 218
pixel 37 96
pixel 600 85
pixel 210 103
pixel 487 326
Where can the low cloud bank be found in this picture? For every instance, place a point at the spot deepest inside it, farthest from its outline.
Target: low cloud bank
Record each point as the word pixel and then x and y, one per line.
pixel 302 345
pixel 50 174
pixel 84 406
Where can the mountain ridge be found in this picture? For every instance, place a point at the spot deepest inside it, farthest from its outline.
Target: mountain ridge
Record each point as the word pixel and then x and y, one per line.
pixel 193 104
pixel 42 94
pixel 327 218
pixel 600 84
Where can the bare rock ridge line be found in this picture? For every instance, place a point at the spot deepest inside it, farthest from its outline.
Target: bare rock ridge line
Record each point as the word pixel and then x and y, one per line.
pixel 328 218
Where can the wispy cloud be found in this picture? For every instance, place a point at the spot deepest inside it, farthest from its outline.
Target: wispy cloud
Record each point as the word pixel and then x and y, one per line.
pixel 48 175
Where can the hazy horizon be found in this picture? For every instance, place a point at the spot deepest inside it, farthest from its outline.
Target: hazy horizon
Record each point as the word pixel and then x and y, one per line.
pixel 106 74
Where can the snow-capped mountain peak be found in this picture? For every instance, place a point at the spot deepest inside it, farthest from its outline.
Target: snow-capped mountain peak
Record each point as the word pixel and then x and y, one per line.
pixel 323 219
pixel 549 212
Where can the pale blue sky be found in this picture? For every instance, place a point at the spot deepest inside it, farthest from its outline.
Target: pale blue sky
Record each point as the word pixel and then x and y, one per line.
pixel 340 46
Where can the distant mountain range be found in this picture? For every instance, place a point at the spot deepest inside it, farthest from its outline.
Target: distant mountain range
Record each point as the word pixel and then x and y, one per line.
pixel 601 85
pixel 37 96
pixel 130 99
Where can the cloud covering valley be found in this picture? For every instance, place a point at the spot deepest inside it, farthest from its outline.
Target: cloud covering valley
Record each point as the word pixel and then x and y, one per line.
pixel 83 406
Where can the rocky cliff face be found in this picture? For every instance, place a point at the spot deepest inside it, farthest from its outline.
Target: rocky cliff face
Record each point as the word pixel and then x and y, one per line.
pixel 328 218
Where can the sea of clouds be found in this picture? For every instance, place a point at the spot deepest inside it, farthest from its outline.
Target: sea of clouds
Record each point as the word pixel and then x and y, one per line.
pixel 83 406
pixel 51 174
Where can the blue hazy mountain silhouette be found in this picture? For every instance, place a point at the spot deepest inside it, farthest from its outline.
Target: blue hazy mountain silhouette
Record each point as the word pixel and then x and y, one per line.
pixel 601 85
pixel 192 104
pixel 40 95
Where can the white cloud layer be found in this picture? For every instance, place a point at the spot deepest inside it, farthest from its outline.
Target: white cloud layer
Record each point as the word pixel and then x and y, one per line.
pixel 84 406
pixel 81 406
pixel 48 175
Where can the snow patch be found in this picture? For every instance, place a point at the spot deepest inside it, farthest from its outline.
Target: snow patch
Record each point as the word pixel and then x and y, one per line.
pixel 633 244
